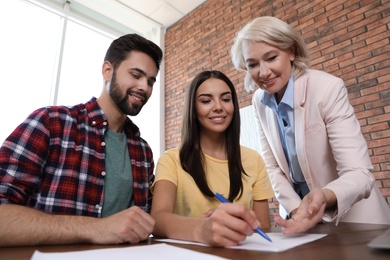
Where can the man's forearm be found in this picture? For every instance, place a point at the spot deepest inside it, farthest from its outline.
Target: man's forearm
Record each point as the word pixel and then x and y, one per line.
pixel 20 225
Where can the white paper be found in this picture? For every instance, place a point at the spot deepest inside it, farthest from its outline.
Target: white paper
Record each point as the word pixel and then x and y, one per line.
pixel 158 251
pixel 256 242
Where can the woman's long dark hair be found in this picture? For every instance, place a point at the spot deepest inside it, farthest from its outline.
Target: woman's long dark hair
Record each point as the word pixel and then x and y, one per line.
pixel 191 155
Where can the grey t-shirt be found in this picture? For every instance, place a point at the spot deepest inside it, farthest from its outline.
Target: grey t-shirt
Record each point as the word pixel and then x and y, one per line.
pixel 118 184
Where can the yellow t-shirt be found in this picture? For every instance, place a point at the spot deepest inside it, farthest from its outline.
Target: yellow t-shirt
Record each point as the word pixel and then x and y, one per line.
pixel 189 199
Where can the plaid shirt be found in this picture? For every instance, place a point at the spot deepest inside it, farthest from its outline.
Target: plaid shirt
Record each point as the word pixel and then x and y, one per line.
pixel 55 161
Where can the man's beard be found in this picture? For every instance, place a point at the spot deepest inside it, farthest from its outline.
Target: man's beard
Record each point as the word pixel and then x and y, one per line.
pixel 122 101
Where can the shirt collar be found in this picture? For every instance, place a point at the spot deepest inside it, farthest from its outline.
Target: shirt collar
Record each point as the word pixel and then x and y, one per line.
pixel 269 100
pixel 97 117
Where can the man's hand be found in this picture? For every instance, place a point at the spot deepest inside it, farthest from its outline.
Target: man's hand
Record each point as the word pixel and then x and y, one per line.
pixel 129 226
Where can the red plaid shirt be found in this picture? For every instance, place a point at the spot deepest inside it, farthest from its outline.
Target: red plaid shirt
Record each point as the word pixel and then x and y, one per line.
pixel 55 161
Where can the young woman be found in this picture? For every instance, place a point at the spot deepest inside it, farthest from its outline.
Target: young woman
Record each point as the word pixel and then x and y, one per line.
pixel 315 153
pixel 210 160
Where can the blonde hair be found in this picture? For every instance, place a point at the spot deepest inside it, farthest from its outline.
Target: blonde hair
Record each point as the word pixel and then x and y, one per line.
pixel 277 33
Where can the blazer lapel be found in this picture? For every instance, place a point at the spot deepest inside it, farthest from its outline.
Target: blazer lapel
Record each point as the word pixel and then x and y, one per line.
pixel 300 92
pixel 276 144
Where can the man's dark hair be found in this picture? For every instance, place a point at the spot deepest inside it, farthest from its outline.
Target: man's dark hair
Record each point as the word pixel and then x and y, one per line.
pixel 121 48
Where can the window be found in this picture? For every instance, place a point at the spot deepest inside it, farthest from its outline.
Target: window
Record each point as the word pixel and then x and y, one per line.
pixel 33 65
pixel 27 61
pixel 249 134
pixel 29 53
pixel 81 74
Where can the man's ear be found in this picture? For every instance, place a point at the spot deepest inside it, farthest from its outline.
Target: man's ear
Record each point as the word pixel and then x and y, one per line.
pixel 107 71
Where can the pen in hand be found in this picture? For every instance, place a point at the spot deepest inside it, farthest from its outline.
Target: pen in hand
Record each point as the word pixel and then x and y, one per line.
pixel 257 230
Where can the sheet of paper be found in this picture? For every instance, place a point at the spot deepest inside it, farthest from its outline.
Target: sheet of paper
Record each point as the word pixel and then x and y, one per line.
pixel 158 251
pixel 256 242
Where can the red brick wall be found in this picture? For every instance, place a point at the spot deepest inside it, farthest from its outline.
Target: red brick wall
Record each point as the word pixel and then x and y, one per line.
pixel 349 39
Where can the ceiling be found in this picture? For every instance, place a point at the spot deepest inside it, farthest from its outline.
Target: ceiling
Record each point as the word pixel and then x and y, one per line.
pixel 164 12
pixel 141 16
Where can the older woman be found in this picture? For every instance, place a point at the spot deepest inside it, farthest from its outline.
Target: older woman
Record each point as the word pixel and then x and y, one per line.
pixel 311 141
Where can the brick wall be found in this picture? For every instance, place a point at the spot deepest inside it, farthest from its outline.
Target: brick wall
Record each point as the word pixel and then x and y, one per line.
pixel 349 39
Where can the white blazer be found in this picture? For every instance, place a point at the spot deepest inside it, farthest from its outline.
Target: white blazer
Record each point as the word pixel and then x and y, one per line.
pixel 331 150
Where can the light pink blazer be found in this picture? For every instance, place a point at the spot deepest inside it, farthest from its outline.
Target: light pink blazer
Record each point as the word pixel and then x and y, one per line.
pixel 331 149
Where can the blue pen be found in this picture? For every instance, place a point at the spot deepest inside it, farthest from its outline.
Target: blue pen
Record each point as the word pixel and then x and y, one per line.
pixel 257 230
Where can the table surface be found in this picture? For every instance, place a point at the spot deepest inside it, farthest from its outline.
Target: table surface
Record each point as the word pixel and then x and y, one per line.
pixel 345 241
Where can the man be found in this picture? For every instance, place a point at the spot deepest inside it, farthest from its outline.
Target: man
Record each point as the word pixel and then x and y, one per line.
pixel 82 174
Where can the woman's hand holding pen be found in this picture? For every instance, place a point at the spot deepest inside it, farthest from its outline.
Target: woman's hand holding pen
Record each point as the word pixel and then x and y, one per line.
pixel 228 225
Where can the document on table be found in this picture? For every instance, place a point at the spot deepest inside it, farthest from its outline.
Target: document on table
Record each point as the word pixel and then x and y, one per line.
pixel 255 242
pixel 158 251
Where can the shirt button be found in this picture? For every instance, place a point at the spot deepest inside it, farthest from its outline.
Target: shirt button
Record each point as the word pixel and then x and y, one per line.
pixel 103 143
pixel 104 123
pixel 103 173
pixel 97 206
pixel 93 122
